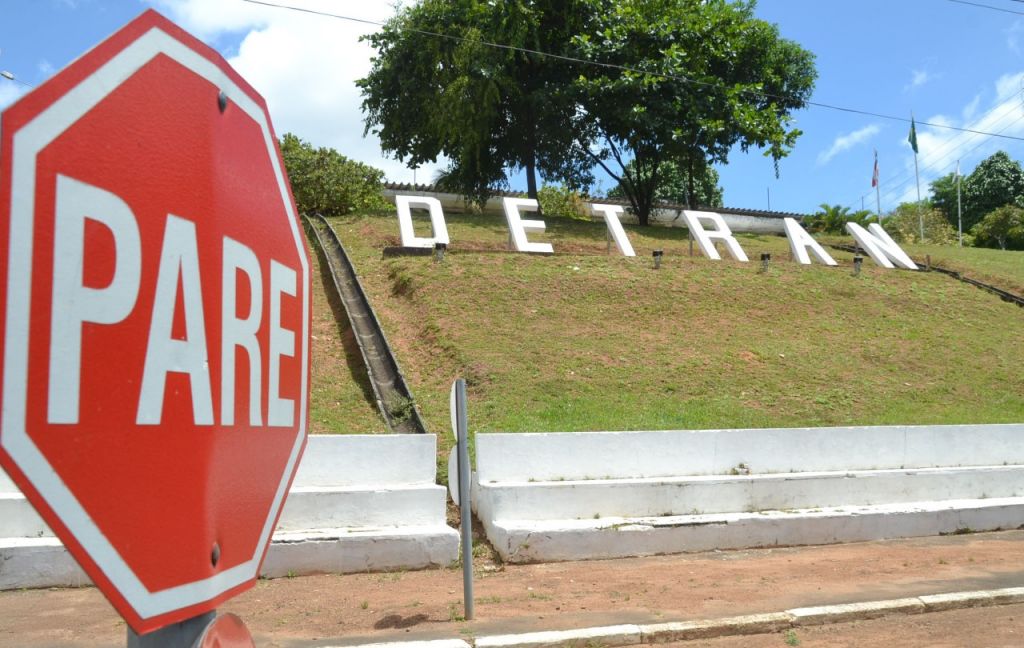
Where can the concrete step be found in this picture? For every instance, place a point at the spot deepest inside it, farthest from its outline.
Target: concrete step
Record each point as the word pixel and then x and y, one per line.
pixel 670 496
pixel 38 562
pixel 306 508
pixel 19 520
pixel 502 457
pixel 335 507
pixel 553 540
pixel 345 551
pixel 44 562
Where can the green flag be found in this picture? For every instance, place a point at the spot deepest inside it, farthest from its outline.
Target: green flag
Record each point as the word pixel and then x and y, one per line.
pixel 913 135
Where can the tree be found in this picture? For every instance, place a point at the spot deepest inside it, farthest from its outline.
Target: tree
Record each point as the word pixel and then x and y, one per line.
pixel 832 219
pixel 1003 226
pixel 326 182
pixel 904 225
pixel 996 181
pixel 674 185
pixel 485 109
pixel 711 76
pixel 944 196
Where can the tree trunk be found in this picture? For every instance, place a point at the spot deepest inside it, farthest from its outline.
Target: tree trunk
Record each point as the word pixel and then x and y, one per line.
pixel 690 201
pixel 531 176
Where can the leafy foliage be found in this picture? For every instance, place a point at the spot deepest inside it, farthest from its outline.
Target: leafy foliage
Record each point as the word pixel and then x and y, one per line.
pixel 904 225
pixel 712 77
pixel 558 200
pixel 326 182
pixel 483 108
pixel 674 185
pixel 996 181
pixel 1003 227
pixel 832 219
pixel 944 196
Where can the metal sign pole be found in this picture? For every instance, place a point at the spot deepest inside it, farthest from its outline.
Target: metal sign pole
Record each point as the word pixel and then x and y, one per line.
pixel 183 634
pixel 461 429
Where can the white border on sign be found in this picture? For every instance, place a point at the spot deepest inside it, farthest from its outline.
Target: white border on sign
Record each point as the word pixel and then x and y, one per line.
pixel 27 143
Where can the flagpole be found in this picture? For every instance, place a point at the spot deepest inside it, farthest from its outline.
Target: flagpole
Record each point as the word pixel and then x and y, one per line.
pixel 917 177
pixel 920 218
pixel 959 212
pixel 877 183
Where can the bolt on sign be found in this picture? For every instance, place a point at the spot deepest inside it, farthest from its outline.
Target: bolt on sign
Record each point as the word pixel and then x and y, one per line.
pixel 155 292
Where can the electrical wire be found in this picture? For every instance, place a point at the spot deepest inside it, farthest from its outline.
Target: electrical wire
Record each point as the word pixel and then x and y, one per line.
pixel 985 6
pixel 949 153
pixel 625 68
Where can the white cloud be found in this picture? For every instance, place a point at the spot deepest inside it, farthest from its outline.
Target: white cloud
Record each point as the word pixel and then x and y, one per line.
pixel 847 141
pixel 919 78
pixel 1013 33
pixel 304 65
pixel 45 68
pixel 939 149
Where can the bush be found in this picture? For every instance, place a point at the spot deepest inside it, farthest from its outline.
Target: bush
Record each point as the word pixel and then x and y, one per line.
pixel 556 200
pixel 326 182
pixel 832 219
pixel 903 225
pixel 1002 228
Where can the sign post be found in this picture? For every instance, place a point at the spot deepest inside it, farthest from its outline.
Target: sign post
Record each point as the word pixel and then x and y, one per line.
pixel 459 485
pixel 155 304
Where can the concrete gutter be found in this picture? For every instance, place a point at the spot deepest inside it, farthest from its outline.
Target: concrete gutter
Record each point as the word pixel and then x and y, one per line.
pixel 638 634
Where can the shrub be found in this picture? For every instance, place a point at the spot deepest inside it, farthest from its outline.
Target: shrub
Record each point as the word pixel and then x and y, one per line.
pixel 1002 228
pixel 904 226
pixel 557 200
pixel 832 219
pixel 326 182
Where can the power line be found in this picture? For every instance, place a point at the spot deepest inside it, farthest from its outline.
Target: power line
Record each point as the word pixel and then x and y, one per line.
pixel 10 77
pixel 947 154
pixel 943 156
pixel 985 6
pixel 625 68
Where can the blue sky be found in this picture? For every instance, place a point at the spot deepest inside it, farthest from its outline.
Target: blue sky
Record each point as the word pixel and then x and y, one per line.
pixel 947 62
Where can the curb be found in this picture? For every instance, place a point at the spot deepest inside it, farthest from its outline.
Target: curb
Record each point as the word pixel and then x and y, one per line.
pixel 633 634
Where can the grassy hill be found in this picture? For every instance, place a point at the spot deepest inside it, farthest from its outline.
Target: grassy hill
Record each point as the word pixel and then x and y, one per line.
pixel 584 340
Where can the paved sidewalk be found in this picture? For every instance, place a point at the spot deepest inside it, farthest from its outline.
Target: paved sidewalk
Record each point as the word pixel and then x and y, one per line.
pixel 403 606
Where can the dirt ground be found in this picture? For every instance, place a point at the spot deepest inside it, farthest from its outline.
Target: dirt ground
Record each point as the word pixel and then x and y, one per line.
pixel 360 608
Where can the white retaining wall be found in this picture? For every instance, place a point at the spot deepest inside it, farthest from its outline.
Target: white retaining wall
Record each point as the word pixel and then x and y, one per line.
pixel 357 503
pixel 454 203
pixel 595 455
pixel 605 494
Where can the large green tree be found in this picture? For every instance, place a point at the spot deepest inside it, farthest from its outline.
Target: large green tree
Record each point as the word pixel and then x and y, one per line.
pixel 996 181
pixel 436 89
pixel 675 186
pixel 709 77
pixel 944 196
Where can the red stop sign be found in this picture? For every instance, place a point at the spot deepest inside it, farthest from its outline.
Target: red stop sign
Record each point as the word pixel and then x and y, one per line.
pixel 155 285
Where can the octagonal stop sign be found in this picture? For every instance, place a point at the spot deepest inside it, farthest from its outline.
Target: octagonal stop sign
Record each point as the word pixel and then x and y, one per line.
pixel 155 288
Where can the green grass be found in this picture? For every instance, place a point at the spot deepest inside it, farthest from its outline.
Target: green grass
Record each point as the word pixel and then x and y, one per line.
pixel 1001 268
pixel 583 340
pixel 341 398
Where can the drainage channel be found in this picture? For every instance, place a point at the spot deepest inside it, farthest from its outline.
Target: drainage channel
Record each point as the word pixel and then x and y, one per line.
pixel 394 399
pixel 998 292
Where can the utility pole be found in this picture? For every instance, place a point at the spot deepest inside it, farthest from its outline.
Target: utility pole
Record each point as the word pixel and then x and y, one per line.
pixel 959 210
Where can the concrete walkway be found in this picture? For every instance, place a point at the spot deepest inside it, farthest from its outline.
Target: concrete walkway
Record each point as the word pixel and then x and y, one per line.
pixel 615 602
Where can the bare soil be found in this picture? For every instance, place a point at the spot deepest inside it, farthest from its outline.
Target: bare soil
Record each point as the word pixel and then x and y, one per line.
pixel 361 608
